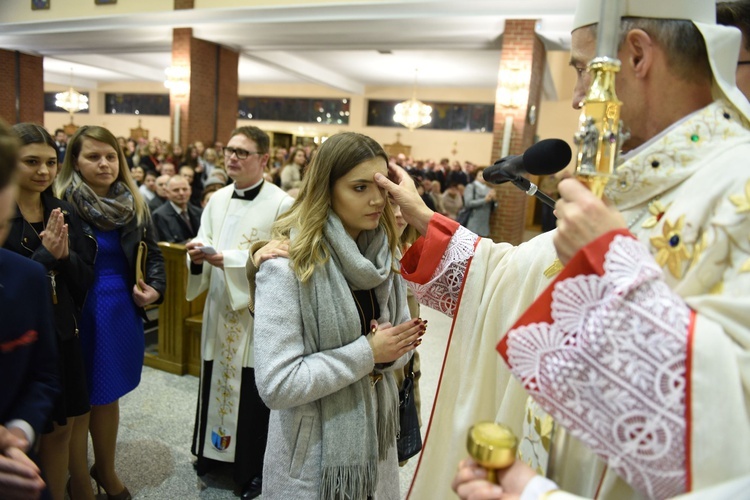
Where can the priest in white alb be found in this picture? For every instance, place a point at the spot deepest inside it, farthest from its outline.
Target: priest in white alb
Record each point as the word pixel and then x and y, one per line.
pixel 232 421
pixel 627 374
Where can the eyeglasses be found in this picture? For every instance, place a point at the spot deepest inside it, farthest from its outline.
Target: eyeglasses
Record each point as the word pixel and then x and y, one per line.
pixel 241 153
pixel 740 63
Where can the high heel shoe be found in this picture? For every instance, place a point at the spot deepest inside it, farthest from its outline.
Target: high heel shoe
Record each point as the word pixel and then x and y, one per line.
pixel 123 495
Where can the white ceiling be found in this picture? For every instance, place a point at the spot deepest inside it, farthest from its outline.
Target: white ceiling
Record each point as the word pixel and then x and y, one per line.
pixel 345 46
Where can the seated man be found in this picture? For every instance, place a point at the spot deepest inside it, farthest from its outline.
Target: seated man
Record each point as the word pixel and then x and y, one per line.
pixel 177 221
pixel 161 193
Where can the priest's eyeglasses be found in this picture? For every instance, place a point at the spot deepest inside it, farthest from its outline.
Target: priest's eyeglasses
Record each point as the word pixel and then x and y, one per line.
pixel 241 153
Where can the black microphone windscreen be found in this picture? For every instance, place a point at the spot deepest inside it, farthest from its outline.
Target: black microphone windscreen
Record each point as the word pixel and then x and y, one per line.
pixel 547 157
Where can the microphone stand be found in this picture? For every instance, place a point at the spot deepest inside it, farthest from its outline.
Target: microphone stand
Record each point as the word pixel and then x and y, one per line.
pixel 531 189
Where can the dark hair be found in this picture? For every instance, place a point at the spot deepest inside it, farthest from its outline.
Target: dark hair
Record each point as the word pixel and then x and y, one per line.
pixel 8 154
pixel 256 135
pixel 31 133
pixel 58 130
pixel 682 43
pixel 735 14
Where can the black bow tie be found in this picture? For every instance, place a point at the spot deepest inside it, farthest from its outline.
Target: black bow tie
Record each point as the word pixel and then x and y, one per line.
pixel 249 194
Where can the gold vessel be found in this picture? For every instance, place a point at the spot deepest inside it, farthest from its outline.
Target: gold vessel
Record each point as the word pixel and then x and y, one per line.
pixel 493 446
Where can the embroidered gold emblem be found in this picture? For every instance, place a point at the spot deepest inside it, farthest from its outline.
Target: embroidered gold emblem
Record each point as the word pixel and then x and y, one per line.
pixel 671 250
pixel 553 269
pixel 656 208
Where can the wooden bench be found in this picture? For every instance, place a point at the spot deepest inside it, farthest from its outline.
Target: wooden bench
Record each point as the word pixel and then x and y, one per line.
pixel 179 345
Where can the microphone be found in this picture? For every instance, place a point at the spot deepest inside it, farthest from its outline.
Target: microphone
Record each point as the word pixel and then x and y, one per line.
pixel 543 158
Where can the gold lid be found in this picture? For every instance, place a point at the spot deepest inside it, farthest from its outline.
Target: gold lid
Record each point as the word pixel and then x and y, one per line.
pixel 492 445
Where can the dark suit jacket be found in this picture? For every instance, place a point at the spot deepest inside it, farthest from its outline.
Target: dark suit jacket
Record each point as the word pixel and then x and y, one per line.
pixel 156 203
pixel 28 351
pixel 170 226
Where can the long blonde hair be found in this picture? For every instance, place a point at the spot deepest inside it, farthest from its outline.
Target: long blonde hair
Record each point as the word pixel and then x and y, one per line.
pixel 65 176
pixel 308 215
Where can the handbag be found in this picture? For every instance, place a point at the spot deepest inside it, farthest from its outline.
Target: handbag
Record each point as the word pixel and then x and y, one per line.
pixel 409 437
pixel 463 216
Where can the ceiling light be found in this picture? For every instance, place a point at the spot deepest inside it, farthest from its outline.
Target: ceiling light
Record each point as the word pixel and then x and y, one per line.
pixel 412 113
pixel 71 100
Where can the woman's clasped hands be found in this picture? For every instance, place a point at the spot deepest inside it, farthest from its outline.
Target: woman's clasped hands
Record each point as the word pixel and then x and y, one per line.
pixel 55 235
pixel 388 342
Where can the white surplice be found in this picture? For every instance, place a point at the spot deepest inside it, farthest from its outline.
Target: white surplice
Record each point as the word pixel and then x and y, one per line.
pixel 686 198
pixel 231 226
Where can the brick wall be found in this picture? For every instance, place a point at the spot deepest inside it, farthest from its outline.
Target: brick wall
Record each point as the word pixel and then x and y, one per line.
pixel 203 57
pixel 521 49
pixel 209 112
pixel 228 93
pixel 30 94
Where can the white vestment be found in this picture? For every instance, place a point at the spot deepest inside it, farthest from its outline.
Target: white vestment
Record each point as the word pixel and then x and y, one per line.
pixel 686 198
pixel 230 225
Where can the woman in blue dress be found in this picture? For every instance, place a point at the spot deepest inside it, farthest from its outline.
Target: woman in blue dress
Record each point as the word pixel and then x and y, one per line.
pixel 95 180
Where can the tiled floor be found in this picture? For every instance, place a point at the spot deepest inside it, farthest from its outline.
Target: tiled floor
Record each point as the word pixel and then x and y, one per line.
pixel 156 429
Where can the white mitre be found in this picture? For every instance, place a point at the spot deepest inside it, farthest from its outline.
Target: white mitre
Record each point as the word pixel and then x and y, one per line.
pixel 723 42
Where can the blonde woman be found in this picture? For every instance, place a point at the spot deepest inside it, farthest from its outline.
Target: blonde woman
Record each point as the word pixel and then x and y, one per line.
pixel 325 342
pixel 95 180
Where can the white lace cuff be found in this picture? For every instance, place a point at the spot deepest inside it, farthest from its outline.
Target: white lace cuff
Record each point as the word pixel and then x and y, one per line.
pixel 441 292
pixel 611 366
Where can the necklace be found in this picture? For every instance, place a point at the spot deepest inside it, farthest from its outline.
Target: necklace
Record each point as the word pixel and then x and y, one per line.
pixel 31 225
pixel 38 235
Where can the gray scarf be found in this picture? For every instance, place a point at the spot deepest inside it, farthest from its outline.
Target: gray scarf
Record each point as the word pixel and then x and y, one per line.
pixel 356 434
pixel 106 213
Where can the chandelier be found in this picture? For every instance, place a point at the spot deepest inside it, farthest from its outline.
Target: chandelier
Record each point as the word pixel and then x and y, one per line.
pixel 71 100
pixel 412 113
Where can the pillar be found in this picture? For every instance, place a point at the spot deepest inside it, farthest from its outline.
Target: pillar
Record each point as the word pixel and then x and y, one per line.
pixel 208 110
pixel 519 87
pixel 21 87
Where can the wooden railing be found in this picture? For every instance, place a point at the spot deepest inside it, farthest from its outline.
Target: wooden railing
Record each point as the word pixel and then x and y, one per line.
pixel 179 349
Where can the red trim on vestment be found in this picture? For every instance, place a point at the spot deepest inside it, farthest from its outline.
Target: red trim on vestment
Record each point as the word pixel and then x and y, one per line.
pixel 689 404
pixel 588 260
pixel 601 481
pixel 419 266
pixel 445 358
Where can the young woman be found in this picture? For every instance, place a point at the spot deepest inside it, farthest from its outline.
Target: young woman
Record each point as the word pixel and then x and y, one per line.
pixel 291 174
pixel 325 344
pixel 94 180
pixel 48 231
pixel 480 197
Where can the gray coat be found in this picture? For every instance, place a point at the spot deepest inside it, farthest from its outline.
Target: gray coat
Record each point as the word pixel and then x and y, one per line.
pixel 479 220
pixel 291 378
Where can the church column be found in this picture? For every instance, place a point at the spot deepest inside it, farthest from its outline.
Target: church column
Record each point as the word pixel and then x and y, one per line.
pixel 206 109
pixel 519 88
pixel 21 87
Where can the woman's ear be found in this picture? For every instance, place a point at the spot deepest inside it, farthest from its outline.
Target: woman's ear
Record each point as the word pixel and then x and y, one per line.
pixel 638 52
